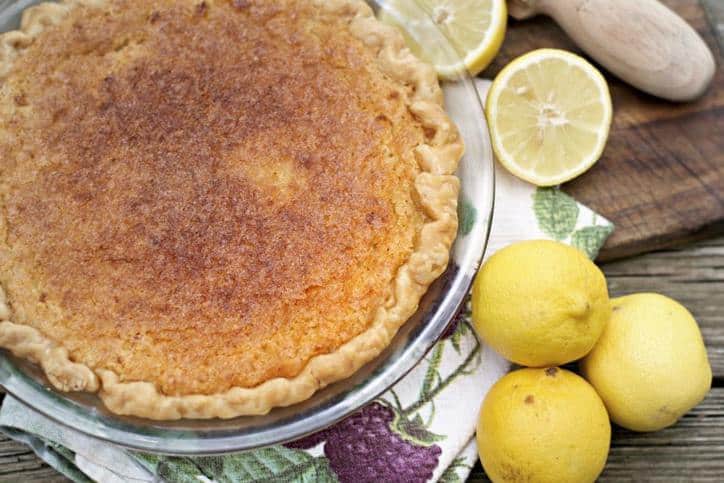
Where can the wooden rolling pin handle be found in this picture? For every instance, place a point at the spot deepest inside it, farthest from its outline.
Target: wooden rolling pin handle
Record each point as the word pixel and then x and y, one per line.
pixel 641 41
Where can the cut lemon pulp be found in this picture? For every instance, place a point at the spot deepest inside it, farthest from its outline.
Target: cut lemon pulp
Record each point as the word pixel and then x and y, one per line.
pixel 549 114
pixel 474 28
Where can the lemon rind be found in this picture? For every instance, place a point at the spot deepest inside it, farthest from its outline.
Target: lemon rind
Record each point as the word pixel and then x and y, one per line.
pixel 521 63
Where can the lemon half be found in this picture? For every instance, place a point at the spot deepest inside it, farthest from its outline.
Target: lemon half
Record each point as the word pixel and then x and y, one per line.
pixel 474 28
pixel 549 114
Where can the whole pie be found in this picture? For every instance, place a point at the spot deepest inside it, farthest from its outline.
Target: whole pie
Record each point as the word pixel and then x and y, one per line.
pixel 213 208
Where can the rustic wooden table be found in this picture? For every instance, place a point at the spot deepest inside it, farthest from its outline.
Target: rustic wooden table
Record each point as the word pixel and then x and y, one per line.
pixel 692 450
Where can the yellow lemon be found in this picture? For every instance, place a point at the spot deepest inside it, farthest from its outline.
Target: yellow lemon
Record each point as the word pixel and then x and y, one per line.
pixel 543 425
pixel 474 28
pixel 540 303
pixel 549 114
pixel 650 365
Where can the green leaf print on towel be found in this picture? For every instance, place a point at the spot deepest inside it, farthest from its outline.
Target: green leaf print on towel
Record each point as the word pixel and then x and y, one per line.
pixel 555 211
pixel 178 470
pixel 450 475
pixel 590 239
pixel 415 430
pixel 275 464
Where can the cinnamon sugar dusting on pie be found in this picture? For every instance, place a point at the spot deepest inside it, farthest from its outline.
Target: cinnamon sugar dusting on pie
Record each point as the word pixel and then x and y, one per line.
pixel 211 208
pixel 206 195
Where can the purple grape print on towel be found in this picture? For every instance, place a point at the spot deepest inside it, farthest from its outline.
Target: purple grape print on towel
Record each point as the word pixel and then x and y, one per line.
pixel 364 448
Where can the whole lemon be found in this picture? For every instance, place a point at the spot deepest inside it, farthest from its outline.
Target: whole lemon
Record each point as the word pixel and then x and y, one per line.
pixel 540 303
pixel 650 365
pixel 543 425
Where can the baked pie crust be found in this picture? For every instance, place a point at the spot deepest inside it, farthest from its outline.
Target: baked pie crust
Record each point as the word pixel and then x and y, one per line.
pixel 112 308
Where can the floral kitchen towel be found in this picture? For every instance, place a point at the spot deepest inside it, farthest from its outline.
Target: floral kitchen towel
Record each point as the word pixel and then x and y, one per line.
pixel 420 430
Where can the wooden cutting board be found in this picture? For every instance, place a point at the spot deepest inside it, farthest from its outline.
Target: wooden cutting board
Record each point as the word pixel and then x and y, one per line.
pixel 661 177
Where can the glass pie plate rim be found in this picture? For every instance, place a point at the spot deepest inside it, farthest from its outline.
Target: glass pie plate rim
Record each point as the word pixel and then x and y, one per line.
pixel 85 412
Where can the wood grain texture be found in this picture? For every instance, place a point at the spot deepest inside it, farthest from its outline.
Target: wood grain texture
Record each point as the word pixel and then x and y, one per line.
pixel 642 42
pixel 693 449
pixel 661 180
pixel 694 276
pixel 661 177
pixel 715 12
pixel 18 463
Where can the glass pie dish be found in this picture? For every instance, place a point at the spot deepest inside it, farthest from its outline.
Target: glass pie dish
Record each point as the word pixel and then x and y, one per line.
pixel 86 413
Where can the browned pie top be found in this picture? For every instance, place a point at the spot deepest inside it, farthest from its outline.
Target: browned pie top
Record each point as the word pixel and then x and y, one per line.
pixel 203 195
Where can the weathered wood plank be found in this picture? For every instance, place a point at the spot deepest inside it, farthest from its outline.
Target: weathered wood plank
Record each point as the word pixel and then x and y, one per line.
pixel 45 474
pixel 10 448
pixel 694 276
pixel 661 176
pixel 692 450
pixel 715 12
pixel 42 475
pixel 18 463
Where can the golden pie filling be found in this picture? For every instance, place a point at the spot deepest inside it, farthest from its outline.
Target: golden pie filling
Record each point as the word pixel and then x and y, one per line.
pixel 200 198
